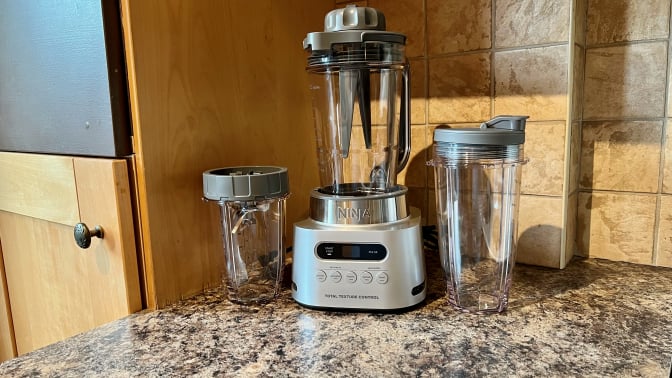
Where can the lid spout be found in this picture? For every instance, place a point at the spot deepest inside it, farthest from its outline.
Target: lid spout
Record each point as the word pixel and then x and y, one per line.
pixel 509 122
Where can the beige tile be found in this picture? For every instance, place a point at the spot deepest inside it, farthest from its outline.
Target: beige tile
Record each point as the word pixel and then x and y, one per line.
pixel 616 226
pixel 625 81
pixel 570 228
pixel 531 22
pixel 545 149
pixel 458 25
pixel 578 65
pixel 459 88
pixel 415 173
pixel 580 13
pixel 532 82
pixel 540 231
pixel 619 20
pixel 418 91
pixel 665 233
pixel 621 155
pixel 667 166
pixel 407 17
pixel 575 156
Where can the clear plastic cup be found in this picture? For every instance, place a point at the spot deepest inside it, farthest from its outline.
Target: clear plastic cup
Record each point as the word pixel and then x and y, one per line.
pixel 252 206
pixel 477 182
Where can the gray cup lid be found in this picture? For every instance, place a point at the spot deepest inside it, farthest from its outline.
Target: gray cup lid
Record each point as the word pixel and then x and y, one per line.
pixel 501 130
pixel 245 183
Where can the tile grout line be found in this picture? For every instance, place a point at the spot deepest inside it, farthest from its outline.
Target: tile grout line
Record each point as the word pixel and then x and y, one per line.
pixel 582 101
pixel 663 138
pixel 425 94
pixel 614 191
pixel 625 43
pixel 579 150
pixel 493 49
pixel 491 52
pixel 625 119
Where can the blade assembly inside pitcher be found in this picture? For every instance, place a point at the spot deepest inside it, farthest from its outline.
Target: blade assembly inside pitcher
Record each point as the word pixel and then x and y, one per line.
pixel 364 99
pixel 353 83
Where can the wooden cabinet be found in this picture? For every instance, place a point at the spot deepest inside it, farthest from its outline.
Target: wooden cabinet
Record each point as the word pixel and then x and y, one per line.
pixel 56 289
pixel 62 78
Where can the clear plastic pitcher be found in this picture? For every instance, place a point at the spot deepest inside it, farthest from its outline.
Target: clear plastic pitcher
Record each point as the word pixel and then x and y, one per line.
pixel 252 205
pixel 477 181
pixel 359 81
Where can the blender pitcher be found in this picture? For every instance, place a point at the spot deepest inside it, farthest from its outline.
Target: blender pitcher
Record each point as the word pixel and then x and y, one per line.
pixel 477 181
pixel 359 80
pixel 252 205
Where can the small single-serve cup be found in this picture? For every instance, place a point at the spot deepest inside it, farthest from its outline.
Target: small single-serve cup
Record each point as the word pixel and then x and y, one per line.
pixel 252 207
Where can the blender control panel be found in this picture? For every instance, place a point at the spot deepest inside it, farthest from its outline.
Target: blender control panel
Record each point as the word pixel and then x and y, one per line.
pixel 371 267
pixel 364 252
pixel 352 251
pixel 351 276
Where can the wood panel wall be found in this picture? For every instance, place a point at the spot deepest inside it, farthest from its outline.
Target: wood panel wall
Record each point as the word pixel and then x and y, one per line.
pixel 213 84
pixel 7 344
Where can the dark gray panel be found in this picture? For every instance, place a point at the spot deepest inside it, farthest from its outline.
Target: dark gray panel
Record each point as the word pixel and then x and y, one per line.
pixel 62 78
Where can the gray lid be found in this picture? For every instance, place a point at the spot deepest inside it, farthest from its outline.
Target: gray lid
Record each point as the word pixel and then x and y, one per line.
pixel 245 183
pixel 352 24
pixel 501 130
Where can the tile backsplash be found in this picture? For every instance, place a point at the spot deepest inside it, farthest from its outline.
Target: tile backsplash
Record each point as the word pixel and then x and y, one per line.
pixel 622 212
pixel 593 76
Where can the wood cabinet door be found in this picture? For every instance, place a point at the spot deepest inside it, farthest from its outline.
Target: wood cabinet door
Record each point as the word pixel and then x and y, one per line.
pixel 55 288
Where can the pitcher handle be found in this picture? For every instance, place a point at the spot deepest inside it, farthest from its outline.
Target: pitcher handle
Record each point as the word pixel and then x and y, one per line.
pixel 405 119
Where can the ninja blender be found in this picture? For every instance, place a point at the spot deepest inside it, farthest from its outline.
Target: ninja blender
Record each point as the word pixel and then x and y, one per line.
pixel 361 247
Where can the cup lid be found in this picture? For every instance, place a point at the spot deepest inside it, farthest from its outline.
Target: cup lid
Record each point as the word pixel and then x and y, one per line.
pixel 501 130
pixel 245 183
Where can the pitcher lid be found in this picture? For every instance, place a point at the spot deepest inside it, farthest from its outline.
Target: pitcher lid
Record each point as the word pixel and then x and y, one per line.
pixel 351 24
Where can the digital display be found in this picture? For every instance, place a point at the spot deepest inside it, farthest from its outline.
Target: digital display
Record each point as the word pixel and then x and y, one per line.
pixel 351 251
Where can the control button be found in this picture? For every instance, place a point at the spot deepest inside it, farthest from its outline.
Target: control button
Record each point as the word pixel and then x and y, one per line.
pixel 367 277
pixel 382 278
pixel 351 277
pixel 321 275
pixel 335 276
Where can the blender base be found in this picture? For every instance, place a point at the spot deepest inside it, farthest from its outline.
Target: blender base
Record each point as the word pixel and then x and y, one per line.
pixel 377 267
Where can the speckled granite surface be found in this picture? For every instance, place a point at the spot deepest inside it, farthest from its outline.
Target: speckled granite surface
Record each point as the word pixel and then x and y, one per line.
pixel 595 318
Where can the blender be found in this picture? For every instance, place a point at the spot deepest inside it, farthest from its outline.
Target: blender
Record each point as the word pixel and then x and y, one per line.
pixel 361 246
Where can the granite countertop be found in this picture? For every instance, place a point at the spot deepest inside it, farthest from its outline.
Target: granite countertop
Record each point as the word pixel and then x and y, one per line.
pixel 594 318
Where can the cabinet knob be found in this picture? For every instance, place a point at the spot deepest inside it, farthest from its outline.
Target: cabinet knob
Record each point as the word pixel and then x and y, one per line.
pixel 83 234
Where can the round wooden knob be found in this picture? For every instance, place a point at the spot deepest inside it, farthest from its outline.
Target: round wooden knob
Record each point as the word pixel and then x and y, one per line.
pixel 83 234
